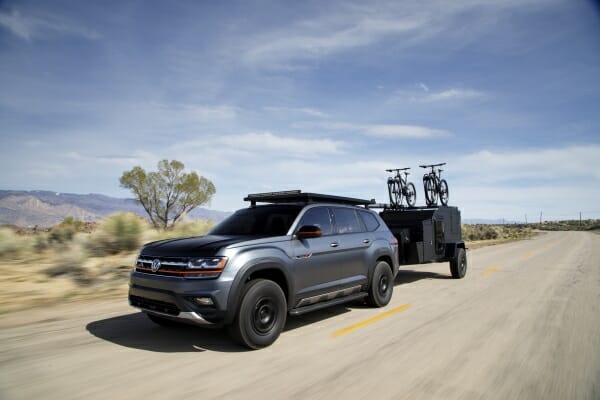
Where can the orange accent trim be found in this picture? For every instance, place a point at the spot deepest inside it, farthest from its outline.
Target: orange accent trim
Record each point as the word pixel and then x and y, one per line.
pixel 180 272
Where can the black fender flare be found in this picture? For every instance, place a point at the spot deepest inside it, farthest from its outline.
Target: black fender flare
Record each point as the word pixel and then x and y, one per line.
pixel 237 285
pixel 452 249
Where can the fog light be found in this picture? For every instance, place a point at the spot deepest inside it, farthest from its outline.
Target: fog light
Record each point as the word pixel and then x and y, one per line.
pixel 204 301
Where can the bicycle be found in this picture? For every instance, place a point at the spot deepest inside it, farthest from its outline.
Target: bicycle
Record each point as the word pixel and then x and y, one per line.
pixel 398 187
pixel 434 185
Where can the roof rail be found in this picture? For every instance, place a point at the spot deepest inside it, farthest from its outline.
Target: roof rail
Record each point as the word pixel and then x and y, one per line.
pixel 296 196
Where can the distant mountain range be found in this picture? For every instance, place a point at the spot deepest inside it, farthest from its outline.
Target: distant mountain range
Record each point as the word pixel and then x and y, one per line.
pixel 44 208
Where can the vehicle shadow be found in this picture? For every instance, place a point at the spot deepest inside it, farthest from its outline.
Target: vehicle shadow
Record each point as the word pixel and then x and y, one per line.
pixel 408 276
pixel 316 316
pixel 136 331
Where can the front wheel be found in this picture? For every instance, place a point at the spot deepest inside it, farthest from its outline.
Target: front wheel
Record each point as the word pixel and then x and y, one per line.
pixel 261 315
pixel 411 194
pixel 382 285
pixel 444 193
pixel 458 265
pixel 430 193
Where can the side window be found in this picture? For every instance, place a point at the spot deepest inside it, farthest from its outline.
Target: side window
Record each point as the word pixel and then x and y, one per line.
pixel 318 216
pixel 369 219
pixel 346 220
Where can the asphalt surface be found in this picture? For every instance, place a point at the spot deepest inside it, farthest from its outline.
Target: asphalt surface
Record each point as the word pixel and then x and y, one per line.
pixel 523 324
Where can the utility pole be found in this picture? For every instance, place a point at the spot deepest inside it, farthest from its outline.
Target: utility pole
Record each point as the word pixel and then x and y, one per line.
pixel 579 218
pixel 540 217
pixel 525 219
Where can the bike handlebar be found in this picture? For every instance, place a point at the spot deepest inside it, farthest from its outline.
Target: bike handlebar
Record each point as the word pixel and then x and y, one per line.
pixel 397 169
pixel 432 165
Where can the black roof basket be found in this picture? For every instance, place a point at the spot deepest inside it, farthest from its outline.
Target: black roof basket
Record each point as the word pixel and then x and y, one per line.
pixel 296 196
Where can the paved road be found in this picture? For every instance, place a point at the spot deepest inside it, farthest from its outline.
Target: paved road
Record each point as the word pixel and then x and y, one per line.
pixel 523 324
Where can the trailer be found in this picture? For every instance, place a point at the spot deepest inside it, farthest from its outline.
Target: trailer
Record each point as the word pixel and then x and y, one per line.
pixel 428 234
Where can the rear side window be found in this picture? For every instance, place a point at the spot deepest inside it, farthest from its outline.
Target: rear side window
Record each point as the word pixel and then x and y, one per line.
pixel 346 220
pixel 369 219
pixel 318 216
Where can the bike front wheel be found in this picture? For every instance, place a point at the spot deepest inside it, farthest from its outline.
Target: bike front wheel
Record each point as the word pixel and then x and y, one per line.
pixel 444 193
pixel 411 194
pixel 430 193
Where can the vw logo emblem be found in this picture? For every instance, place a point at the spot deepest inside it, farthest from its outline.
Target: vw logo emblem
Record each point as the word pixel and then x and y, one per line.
pixel 155 265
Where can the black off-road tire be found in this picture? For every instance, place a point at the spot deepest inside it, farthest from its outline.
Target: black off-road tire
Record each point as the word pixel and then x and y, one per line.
pixel 458 266
pixel 411 194
pixel 166 322
pixel 382 285
pixel 430 192
pixel 261 315
pixel 444 192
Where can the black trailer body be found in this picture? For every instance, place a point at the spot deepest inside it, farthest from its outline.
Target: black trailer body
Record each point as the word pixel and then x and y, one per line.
pixel 427 234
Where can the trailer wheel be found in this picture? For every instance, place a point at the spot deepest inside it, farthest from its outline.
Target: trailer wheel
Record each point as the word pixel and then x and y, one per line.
pixel 382 285
pixel 458 265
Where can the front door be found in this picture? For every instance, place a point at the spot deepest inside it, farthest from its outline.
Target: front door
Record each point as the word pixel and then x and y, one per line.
pixel 315 260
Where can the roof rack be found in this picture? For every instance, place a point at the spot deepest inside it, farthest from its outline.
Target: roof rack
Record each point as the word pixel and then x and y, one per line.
pixel 296 196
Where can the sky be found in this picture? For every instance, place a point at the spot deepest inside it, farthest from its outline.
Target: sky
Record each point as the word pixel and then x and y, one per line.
pixel 321 96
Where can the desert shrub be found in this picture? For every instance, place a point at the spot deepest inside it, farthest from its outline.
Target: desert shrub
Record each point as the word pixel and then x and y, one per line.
pixel 119 232
pixel 11 244
pixel 69 262
pixel 188 228
pixel 65 231
pixel 40 242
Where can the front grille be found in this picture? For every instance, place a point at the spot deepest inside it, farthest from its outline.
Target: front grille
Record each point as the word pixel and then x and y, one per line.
pixel 154 305
pixel 172 266
pixel 168 263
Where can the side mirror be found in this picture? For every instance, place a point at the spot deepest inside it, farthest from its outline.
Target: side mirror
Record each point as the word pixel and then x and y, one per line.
pixel 308 232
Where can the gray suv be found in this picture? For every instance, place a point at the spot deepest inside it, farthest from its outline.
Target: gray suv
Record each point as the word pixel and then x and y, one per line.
pixel 299 253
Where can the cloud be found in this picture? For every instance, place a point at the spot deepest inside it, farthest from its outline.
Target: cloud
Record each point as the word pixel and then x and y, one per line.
pixel 452 94
pixel 316 38
pixel 425 95
pixel 312 112
pixel 255 146
pixel 355 25
pixel 30 27
pixel 262 142
pixel 572 162
pixel 388 130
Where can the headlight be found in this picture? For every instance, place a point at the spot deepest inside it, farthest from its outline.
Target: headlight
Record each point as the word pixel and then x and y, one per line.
pixel 213 263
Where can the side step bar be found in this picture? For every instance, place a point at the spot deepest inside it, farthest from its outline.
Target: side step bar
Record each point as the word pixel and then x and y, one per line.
pixel 340 300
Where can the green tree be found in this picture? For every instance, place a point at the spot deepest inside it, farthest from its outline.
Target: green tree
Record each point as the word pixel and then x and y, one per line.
pixel 169 193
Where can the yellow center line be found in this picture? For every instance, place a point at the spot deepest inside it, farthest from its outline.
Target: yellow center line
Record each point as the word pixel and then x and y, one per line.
pixel 369 321
pixel 528 254
pixel 491 270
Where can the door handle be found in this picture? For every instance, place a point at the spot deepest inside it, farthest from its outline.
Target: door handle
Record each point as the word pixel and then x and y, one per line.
pixel 366 241
pixel 334 244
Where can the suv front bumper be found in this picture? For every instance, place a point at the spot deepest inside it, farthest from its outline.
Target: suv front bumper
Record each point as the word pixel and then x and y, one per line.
pixel 175 298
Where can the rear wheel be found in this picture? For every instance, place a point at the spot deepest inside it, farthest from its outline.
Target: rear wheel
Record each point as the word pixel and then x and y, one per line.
pixel 411 194
pixel 382 285
pixel 394 192
pixel 261 315
pixel 444 193
pixel 458 265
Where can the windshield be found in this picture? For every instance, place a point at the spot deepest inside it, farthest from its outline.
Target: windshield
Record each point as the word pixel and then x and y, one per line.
pixel 259 221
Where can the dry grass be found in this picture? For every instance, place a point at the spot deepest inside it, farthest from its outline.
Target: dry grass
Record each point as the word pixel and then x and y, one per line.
pixel 480 235
pixel 42 269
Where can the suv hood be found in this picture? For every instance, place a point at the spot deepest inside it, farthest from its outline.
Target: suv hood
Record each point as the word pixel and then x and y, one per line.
pixel 198 246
